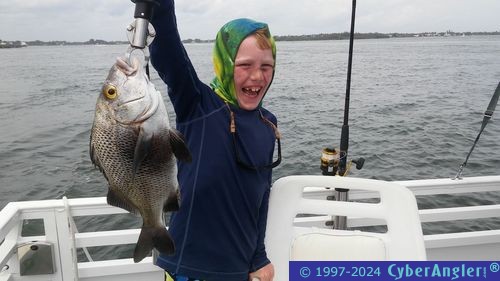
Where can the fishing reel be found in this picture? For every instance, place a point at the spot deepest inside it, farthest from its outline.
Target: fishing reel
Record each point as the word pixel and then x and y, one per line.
pixel 331 160
pixel 332 164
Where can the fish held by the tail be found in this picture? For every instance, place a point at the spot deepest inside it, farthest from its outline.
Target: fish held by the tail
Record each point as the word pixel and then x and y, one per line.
pixel 135 148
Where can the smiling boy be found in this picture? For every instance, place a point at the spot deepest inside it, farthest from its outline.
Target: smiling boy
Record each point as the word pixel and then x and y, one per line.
pixel 220 226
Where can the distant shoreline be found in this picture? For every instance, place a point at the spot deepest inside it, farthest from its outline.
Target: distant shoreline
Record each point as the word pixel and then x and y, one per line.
pixel 377 35
pixel 310 37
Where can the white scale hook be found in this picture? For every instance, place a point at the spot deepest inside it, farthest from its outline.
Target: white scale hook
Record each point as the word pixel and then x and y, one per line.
pixel 140 34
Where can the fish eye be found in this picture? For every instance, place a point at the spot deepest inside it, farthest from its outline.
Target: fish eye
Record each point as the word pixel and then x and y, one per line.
pixel 109 91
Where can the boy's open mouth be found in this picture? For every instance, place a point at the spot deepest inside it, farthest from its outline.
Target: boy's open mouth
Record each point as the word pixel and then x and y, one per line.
pixel 252 91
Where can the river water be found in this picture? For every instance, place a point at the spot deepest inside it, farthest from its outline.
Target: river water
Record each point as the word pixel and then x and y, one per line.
pixel 416 108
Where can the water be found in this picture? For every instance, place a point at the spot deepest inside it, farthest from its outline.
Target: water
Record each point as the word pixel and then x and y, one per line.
pixel 416 107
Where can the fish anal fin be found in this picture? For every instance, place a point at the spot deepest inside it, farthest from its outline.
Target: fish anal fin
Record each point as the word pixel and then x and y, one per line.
pixel 173 202
pixel 179 147
pixel 153 237
pixel 114 199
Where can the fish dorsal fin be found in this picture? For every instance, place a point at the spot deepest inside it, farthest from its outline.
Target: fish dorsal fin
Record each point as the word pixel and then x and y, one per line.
pixel 179 147
pixel 114 199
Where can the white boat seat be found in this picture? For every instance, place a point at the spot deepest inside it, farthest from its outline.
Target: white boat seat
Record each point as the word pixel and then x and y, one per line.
pixel 286 241
pixel 325 244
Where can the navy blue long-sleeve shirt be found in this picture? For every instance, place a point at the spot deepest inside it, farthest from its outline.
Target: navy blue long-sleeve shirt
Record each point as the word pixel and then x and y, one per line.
pixel 219 230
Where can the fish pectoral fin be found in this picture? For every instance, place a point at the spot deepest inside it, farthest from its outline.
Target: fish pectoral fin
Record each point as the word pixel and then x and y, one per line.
pixel 172 203
pixel 153 237
pixel 179 147
pixel 114 199
pixel 142 148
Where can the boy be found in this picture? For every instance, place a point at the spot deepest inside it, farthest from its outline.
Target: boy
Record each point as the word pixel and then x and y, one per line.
pixel 220 226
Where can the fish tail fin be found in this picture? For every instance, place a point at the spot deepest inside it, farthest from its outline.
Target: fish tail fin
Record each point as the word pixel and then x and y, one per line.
pixel 153 237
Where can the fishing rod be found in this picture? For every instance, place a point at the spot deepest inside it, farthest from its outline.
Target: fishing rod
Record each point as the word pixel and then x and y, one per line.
pixel 344 136
pixel 487 116
pixel 333 163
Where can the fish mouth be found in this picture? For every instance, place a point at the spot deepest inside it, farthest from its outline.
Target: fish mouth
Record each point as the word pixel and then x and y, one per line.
pixel 127 69
pixel 130 101
pixel 145 114
pixel 153 98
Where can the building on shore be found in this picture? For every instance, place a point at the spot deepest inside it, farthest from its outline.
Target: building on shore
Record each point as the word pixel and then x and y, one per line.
pixel 12 44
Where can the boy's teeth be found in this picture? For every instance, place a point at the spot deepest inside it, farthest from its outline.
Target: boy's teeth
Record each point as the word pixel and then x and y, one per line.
pixel 252 89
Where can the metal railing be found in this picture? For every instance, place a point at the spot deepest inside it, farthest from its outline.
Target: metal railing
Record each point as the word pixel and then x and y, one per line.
pixel 60 231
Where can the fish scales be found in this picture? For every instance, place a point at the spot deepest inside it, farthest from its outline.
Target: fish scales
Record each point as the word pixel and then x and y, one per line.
pixel 135 148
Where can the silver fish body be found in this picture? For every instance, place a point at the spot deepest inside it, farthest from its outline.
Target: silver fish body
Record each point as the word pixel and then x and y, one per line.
pixel 133 145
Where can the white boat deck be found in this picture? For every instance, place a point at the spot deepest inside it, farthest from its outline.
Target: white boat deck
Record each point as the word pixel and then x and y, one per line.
pixel 57 223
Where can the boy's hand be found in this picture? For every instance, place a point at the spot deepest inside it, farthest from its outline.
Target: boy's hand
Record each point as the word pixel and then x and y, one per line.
pixel 266 273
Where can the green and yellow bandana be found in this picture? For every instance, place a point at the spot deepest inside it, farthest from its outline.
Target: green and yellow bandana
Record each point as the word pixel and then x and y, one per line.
pixel 227 42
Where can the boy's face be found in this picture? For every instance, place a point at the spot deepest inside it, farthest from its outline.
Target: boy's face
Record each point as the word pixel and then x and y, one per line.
pixel 253 71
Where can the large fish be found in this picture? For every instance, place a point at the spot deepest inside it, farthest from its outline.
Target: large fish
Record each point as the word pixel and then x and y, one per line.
pixel 133 145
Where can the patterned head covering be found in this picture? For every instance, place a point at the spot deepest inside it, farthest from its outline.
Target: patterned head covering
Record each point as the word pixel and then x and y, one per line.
pixel 227 42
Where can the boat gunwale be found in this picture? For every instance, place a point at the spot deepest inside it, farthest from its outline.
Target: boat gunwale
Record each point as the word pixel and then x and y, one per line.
pixel 14 213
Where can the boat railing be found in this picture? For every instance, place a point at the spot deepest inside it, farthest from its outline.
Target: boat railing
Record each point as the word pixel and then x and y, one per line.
pixel 60 233
pixel 462 244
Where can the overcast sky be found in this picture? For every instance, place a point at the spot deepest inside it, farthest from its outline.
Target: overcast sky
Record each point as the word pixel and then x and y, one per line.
pixel 81 20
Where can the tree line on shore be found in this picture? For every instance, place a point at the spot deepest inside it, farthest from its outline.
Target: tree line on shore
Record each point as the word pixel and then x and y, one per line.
pixel 376 35
pixel 310 37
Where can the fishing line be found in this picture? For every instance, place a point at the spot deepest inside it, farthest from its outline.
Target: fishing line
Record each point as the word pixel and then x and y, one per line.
pixel 487 116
